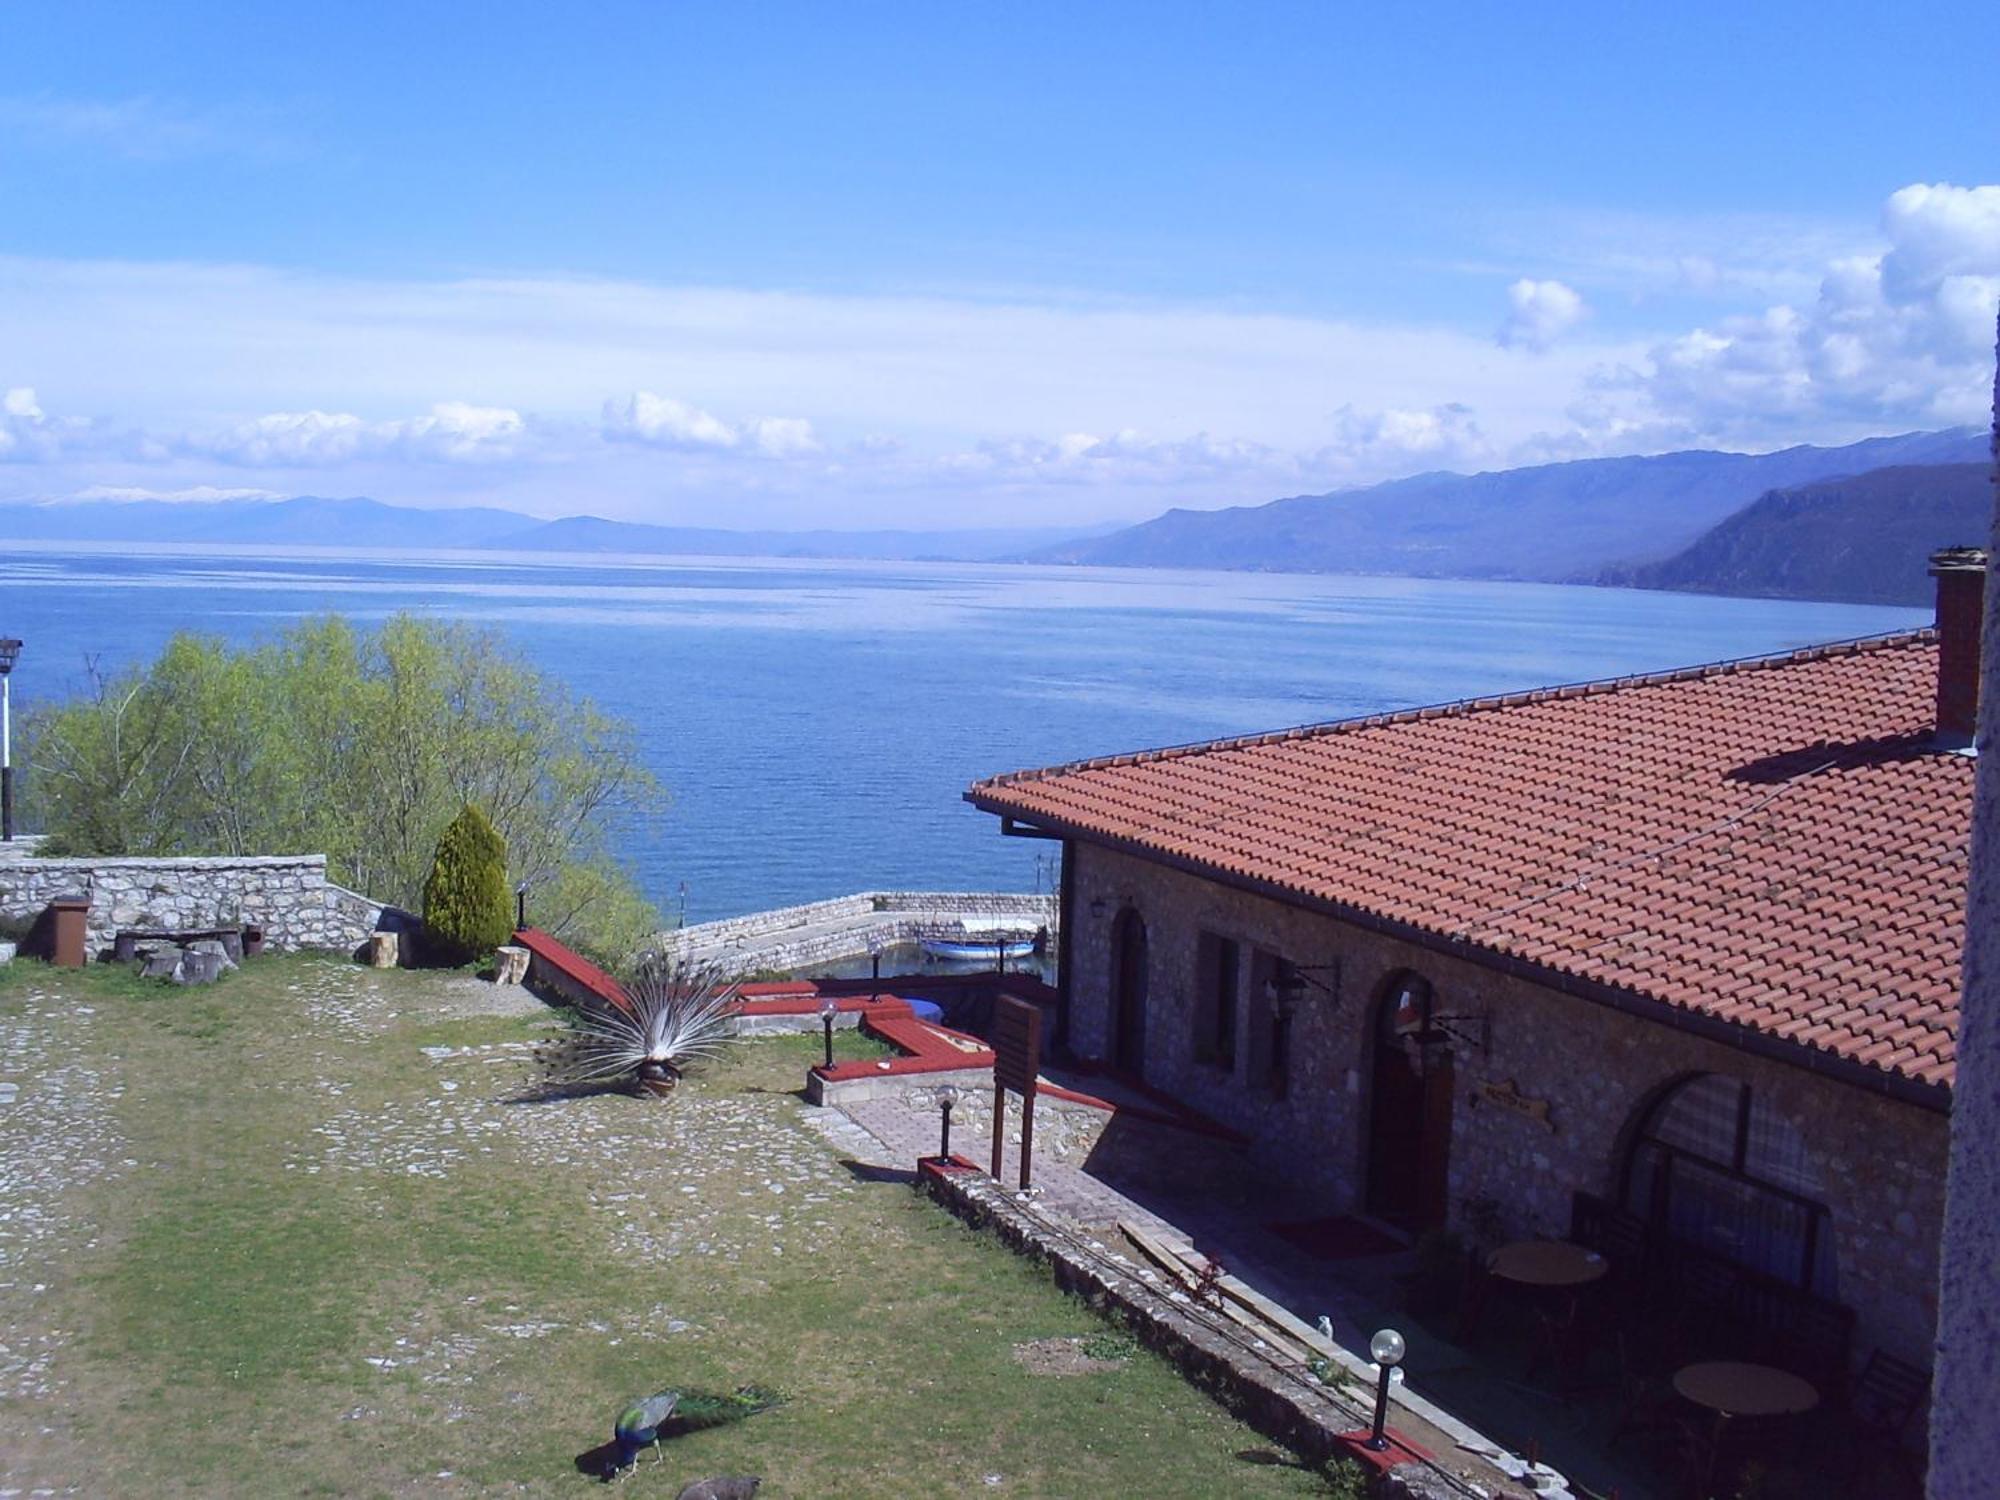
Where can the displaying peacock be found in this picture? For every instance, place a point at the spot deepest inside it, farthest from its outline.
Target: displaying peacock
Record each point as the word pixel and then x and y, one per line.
pixel 671 1414
pixel 680 1016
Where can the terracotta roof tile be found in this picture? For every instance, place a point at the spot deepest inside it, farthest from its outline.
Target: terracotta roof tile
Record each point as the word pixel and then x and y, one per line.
pixel 1775 843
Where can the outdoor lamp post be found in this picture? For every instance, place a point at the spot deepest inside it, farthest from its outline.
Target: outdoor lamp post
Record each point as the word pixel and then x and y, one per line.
pixel 829 1005
pixel 947 1096
pixel 10 651
pixel 1387 1350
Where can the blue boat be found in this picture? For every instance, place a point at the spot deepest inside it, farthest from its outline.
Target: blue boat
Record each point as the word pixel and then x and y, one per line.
pixel 976 950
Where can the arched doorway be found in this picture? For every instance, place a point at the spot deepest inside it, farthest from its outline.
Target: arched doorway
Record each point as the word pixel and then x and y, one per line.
pixel 1128 992
pixel 1713 1163
pixel 1409 1120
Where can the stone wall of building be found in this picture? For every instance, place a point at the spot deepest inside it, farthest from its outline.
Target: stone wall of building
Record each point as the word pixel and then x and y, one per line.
pixel 288 896
pixel 1965 1438
pixel 1880 1161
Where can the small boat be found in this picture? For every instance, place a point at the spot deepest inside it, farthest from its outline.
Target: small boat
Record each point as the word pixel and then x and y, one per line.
pixel 972 950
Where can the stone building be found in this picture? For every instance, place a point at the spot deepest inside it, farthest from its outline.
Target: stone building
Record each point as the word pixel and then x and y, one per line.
pixel 1688 943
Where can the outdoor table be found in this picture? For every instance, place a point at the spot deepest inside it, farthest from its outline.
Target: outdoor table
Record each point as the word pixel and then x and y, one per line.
pixel 1731 1389
pixel 1560 1270
pixel 1547 1263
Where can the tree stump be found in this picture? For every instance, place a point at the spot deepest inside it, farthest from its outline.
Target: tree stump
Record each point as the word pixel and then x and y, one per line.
pixel 510 964
pixel 382 950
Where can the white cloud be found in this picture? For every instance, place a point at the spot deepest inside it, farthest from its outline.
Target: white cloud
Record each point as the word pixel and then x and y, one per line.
pixel 27 433
pixel 665 422
pixel 1539 313
pixel 193 494
pixel 452 431
pixel 1899 339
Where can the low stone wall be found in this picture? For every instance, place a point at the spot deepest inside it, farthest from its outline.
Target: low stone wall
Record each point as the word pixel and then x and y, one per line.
pixel 844 927
pixel 287 895
pixel 1305 1414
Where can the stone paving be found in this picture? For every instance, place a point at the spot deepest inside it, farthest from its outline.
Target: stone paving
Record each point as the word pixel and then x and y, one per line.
pixel 1189 1186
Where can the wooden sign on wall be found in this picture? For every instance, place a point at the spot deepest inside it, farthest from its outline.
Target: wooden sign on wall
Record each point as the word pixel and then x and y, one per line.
pixel 1509 1097
pixel 1017 1049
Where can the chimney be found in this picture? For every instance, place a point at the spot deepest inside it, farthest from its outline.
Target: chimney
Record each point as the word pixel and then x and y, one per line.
pixel 1961 604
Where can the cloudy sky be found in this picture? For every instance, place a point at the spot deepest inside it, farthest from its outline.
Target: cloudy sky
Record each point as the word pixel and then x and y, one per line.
pixel 952 265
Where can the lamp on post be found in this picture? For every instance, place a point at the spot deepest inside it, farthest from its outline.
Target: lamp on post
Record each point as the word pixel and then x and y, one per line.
pixel 1387 1349
pixel 947 1096
pixel 829 1006
pixel 10 652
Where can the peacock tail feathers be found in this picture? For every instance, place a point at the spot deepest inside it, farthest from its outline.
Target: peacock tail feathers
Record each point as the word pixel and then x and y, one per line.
pixel 703 1409
pixel 682 1014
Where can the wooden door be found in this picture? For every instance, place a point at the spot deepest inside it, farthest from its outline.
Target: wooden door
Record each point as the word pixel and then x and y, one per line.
pixel 1128 993
pixel 1409 1140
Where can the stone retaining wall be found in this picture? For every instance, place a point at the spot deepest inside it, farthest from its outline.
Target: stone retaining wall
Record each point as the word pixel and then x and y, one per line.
pixel 287 895
pixel 818 932
pixel 1304 1414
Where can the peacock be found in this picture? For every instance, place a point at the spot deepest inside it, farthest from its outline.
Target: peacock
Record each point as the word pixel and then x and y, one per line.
pixel 672 1413
pixel 681 1014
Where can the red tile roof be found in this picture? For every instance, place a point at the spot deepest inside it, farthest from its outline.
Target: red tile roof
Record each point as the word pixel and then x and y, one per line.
pixel 1773 843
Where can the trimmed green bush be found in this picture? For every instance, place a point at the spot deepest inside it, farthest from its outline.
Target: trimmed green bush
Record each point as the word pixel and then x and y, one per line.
pixel 468 911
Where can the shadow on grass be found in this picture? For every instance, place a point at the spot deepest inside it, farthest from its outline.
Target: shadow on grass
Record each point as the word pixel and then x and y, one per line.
pixel 862 1171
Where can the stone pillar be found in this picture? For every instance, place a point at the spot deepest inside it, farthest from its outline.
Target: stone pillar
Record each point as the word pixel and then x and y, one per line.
pixel 1965 1436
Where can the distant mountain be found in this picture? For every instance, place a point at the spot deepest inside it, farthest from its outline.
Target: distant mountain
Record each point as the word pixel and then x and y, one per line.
pixel 1861 539
pixel 592 534
pixel 1549 522
pixel 309 521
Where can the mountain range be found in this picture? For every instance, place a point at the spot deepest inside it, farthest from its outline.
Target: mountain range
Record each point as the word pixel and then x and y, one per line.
pixel 1862 539
pixel 1851 523
pixel 314 521
pixel 1550 522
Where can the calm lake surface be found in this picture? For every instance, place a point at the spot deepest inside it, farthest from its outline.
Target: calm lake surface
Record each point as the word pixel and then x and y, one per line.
pixel 815 722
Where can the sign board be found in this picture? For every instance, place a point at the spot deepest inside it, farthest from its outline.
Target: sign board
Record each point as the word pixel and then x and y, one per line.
pixel 1017 1044
pixel 1510 1098
pixel 1017 1059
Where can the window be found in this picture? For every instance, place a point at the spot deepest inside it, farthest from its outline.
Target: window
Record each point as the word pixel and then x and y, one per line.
pixel 1218 966
pixel 1716 1165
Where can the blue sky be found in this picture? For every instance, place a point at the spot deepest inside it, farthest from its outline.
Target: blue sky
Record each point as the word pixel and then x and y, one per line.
pixel 972 265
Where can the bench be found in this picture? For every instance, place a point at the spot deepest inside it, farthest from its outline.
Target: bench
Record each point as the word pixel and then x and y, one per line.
pixel 125 946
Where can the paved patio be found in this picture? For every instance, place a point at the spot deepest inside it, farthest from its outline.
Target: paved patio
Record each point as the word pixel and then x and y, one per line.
pixel 1095 1170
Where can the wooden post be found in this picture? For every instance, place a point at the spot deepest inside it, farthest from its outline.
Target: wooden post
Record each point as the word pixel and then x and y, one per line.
pixel 999 1122
pixel 1017 1061
pixel 1027 1135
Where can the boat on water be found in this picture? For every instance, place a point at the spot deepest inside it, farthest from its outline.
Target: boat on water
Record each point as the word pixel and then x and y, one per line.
pixel 973 949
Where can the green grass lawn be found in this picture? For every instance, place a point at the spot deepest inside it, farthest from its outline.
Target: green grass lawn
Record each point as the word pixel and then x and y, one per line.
pixel 293 1235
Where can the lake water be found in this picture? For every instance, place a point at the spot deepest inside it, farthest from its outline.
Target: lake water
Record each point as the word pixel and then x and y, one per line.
pixel 815 722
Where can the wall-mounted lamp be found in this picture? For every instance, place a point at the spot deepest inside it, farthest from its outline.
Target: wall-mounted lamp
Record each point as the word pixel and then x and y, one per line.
pixel 1098 907
pixel 1288 983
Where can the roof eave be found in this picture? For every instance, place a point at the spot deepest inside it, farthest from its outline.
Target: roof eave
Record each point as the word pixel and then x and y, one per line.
pixel 1898 1086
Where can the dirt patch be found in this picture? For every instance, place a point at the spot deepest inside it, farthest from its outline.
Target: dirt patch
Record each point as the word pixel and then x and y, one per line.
pixel 1063 1357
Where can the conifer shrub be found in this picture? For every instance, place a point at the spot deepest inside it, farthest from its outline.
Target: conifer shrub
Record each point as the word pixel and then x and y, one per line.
pixel 468 911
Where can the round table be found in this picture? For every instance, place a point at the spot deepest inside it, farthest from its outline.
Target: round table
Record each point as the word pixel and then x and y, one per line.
pixel 1731 1389
pixel 1550 1263
pixel 1745 1390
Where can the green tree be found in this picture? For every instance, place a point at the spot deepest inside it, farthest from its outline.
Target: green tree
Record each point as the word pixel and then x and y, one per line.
pixel 360 744
pixel 467 910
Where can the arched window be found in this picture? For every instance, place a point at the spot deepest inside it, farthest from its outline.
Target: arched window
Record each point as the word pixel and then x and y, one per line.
pixel 1714 1164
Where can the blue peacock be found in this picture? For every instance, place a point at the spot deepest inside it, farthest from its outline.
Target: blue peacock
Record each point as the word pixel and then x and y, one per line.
pixel 672 1413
